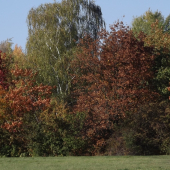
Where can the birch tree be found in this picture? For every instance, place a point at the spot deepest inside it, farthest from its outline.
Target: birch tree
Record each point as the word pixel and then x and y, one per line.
pixel 53 33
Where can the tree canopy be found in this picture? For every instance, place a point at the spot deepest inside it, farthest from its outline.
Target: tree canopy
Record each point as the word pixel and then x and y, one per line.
pixel 82 90
pixel 143 22
pixel 54 31
pixel 156 29
pixel 106 88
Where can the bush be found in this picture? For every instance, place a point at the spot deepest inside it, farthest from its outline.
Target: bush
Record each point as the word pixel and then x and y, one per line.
pixel 149 129
pixel 57 134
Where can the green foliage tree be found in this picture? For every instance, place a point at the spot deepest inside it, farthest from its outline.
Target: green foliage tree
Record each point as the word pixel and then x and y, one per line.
pixel 143 23
pixel 54 31
pixel 149 129
pixel 156 35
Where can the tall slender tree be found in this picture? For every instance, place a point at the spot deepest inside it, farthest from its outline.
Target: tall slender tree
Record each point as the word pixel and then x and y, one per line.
pixel 54 31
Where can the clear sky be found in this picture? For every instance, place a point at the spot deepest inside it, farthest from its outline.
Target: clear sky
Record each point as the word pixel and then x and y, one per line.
pixel 13 14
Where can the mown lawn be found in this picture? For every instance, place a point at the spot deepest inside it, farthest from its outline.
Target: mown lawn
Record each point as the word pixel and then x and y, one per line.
pixel 87 163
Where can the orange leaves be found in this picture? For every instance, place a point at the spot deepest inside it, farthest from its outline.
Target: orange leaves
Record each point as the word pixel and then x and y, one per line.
pixel 28 98
pixel 22 72
pixel 13 127
pixel 2 91
pixel 168 88
pixel 24 98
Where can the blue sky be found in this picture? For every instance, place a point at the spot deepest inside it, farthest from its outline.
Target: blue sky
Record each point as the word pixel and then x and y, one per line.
pixel 13 14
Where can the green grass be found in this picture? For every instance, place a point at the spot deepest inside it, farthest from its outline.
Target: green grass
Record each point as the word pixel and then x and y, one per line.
pixel 87 163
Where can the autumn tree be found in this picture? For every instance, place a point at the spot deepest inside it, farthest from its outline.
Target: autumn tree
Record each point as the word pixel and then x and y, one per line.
pixel 19 56
pixel 157 32
pixel 111 79
pixel 25 101
pixel 5 82
pixel 28 117
pixel 24 98
pixel 54 31
pixel 33 122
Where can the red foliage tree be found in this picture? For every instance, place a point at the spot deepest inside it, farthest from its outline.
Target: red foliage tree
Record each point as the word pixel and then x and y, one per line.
pixel 24 98
pixel 111 79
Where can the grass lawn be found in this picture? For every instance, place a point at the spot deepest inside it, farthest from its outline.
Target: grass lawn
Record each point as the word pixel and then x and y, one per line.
pixel 87 163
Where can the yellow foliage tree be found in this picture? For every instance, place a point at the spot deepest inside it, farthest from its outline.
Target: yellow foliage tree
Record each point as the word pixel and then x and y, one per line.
pixel 19 56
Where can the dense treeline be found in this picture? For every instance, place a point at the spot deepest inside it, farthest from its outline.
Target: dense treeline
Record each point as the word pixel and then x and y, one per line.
pixel 89 91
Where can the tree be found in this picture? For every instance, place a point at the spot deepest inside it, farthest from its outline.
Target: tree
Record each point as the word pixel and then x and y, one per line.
pixel 5 65
pixel 3 72
pixel 28 118
pixel 54 30
pixel 21 106
pixel 6 46
pixel 3 103
pixel 111 79
pixel 149 129
pixel 157 32
pixel 143 23
pixel 19 56
pixel 25 98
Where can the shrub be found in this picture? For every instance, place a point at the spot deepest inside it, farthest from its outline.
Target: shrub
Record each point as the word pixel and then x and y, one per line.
pixel 149 129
